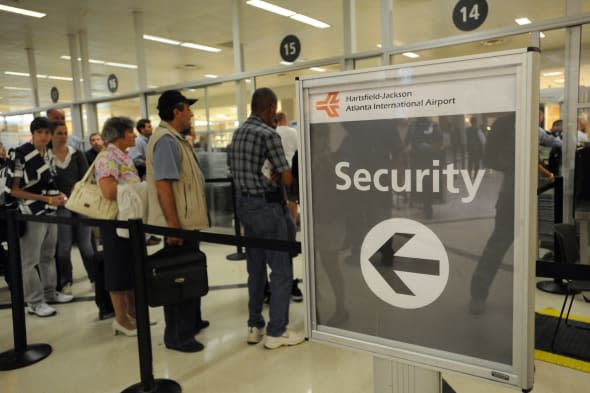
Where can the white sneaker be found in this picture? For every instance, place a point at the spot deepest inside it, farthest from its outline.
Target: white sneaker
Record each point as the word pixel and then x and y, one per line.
pixel 61 298
pixel 254 335
pixel 288 338
pixel 41 309
pixel 67 289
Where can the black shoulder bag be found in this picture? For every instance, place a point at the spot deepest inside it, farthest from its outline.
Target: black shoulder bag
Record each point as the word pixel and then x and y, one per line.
pixel 174 275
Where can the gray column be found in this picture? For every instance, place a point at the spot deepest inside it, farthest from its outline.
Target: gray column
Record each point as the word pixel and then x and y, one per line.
pixel 241 90
pixel 91 115
pixel 570 108
pixel 76 110
pixel 349 30
pixel 33 77
pixel 141 63
pixel 74 66
pixel 386 30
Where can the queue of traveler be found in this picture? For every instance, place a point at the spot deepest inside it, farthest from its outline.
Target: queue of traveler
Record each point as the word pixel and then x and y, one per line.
pixel 41 174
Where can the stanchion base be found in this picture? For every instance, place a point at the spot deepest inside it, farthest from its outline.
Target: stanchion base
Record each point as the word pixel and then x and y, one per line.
pixel 12 360
pixel 556 287
pixel 160 386
pixel 238 256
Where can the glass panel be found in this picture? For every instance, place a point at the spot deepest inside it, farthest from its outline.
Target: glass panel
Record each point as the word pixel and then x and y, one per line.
pixel 368 25
pixel 15 130
pixel 283 85
pixel 128 108
pixel 583 125
pixel 170 64
pixel 552 75
pixel 263 31
pixel 473 48
pixel 585 66
pixel 416 21
pixel 367 63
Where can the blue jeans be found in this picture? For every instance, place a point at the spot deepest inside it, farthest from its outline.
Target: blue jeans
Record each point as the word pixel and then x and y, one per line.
pixel 65 238
pixel 265 220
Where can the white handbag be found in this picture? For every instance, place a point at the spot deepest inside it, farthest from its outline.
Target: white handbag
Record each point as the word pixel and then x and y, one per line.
pixel 87 199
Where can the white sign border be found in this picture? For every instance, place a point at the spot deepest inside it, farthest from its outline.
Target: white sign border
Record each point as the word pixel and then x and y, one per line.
pixel 523 64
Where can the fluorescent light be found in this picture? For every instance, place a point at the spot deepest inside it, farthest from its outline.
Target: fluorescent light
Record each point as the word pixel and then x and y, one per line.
pixel 59 78
pixel 270 7
pixel 109 63
pixel 318 69
pixel 248 80
pixel 542 35
pixel 16 73
pixel 212 76
pixel 120 65
pixel 559 80
pixel 411 55
pixel 523 21
pixel 200 47
pixel 283 62
pixel 22 11
pixel 161 39
pixel 288 13
pixel 17 88
pixel 310 21
pixel 379 45
pixel 553 73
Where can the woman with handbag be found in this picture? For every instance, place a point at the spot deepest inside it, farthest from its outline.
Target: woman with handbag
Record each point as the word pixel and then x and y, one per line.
pixel 113 167
pixel 70 166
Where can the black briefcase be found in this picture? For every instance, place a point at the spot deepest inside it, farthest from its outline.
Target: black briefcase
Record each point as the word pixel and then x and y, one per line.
pixel 174 275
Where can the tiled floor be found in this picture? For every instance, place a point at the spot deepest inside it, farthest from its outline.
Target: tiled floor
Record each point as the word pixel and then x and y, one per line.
pixel 88 358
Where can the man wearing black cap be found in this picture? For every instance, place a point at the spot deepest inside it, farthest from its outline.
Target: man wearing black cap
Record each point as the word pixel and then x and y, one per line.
pixel 176 199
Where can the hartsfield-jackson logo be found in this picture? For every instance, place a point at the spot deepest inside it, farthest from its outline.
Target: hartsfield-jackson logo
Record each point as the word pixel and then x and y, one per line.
pixel 330 104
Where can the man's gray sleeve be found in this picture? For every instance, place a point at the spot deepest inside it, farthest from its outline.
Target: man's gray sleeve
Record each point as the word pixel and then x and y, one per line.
pixel 166 159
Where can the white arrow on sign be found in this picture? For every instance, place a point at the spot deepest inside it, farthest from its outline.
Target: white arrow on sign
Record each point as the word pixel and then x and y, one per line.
pixel 404 263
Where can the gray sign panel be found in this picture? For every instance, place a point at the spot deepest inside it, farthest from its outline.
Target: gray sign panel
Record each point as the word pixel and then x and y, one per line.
pixel 417 196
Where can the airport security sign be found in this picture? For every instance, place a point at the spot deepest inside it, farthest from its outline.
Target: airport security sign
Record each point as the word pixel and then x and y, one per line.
pixel 412 217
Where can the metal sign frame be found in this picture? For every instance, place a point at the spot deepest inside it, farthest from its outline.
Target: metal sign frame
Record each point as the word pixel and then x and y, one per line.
pixel 523 65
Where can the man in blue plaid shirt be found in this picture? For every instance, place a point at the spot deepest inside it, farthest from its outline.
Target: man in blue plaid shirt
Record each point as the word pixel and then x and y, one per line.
pixel 263 211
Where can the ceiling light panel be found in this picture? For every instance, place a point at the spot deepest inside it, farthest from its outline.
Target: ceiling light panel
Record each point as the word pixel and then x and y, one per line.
pixel 270 7
pixel 310 21
pixel 160 39
pixel 200 47
pixel 288 13
pixel 411 55
pixel 21 11
pixel 523 21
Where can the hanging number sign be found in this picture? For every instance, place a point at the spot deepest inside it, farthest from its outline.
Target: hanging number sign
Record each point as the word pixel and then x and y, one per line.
pixel 54 93
pixel 290 48
pixel 470 14
pixel 112 83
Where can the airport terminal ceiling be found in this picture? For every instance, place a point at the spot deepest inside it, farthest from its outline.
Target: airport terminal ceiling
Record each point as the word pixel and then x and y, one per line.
pixel 109 29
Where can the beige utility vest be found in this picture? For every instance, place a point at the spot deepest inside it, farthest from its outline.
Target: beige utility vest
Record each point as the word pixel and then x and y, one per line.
pixel 189 190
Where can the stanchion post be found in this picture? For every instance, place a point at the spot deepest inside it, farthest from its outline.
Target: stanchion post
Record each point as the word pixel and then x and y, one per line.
pixel 239 255
pixel 555 286
pixel 144 343
pixel 23 354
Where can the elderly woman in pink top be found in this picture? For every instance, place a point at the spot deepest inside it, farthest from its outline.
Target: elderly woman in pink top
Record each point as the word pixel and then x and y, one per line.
pixel 113 167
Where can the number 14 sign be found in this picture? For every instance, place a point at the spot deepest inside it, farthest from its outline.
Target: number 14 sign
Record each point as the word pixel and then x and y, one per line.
pixel 470 14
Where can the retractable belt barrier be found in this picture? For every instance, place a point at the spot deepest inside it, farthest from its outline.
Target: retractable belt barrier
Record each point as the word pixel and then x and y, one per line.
pixel 25 354
pixel 239 254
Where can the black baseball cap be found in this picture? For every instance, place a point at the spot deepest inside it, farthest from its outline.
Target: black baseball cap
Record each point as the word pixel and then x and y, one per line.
pixel 169 98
